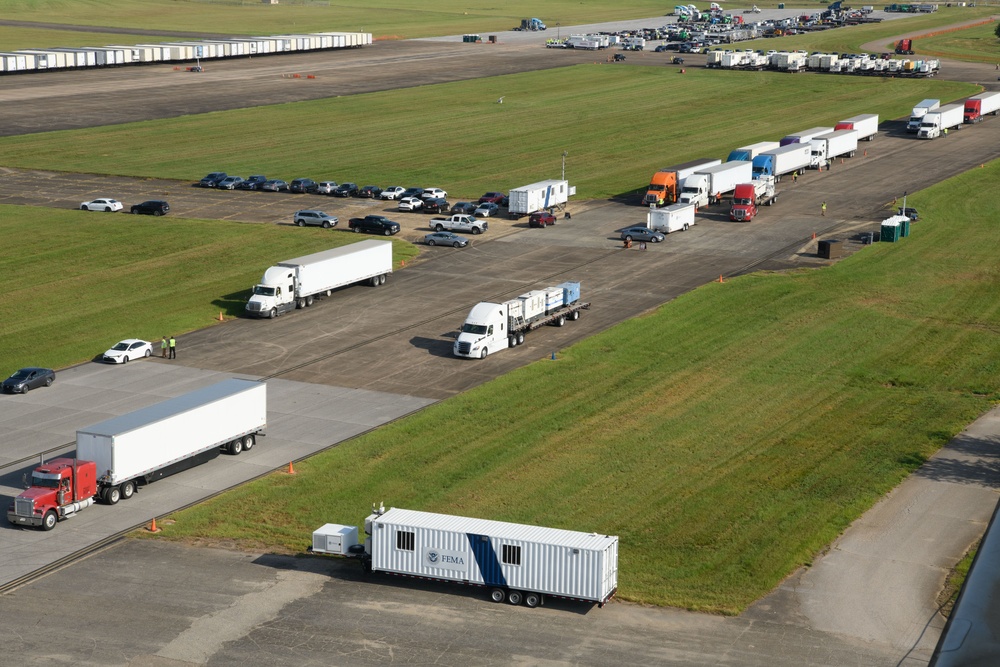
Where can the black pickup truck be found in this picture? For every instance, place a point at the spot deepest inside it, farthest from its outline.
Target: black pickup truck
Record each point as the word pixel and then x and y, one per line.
pixel 374 224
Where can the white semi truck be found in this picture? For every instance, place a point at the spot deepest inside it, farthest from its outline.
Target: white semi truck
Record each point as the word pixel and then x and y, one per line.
pixel 918 113
pixel 295 283
pixel 496 326
pixel 935 123
pixel 705 185
pixel 516 562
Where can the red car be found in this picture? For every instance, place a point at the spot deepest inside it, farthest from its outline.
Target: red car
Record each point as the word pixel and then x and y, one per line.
pixel 541 219
pixel 498 198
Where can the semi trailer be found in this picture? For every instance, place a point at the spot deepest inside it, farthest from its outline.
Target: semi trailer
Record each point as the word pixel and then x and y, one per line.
pixel 116 457
pixel 752 151
pixel 918 113
pixel 826 147
pixel 664 187
pixel 516 562
pixel 805 136
pixel 710 184
pixel 936 123
pixel 983 104
pixel 784 160
pixel 295 283
pixel 866 125
pixel 538 197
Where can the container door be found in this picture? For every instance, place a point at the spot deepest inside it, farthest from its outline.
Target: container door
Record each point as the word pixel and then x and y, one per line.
pixel 487 560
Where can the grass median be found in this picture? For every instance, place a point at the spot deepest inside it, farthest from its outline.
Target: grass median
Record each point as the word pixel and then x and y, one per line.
pixel 773 410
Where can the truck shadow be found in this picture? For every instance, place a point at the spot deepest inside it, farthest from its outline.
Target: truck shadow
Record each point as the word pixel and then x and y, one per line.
pixel 233 304
pixel 436 346
pixel 14 479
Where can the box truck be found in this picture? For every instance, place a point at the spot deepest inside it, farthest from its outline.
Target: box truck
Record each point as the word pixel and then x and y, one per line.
pixel 748 196
pixel 294 283
pixel 710 184
pixel 917 115
pixel 673 218
pixel 783 160
pixel 935 123
pixel 752 151
pixel 491 327
pixel 516 562
pixel 537 197
pixel 805 136
pixel 981 105
pixel 665 185
pixel 117 456
pixel 866 126
pixel 826 147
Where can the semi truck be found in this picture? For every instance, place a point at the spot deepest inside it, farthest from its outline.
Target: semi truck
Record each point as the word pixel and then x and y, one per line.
pixel 747 197
pixel 918 113
pixel 518 563
pixel 537 197
pixel 783 160
pixel 295 283
pixel 116 457
pixel 752 151
pixel 665 185
pixel 460 222
pixel 673 218
pixel 709 184
pixel 935 123
pixel 826 147
pixel 981 105
pixel 805 136
pixel 491 327
pixel 866 126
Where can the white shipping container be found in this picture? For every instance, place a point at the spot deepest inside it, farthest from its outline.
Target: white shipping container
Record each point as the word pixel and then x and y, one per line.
pixel 533 304
pixel 144 441
pixel 538 196
pixel 550 561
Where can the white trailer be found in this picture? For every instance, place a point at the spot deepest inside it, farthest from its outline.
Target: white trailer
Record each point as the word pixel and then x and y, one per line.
pixel 790 61
pixel 676 217
pixel 805 136
pixel 517 562
pixel 295 283
pixel 981 105
pixel 709 184
pixel 148 444
pixel 866 125
pixel 538 196
pixel 826 147
pixel 936 123
pixel 918 113
pixel 783 160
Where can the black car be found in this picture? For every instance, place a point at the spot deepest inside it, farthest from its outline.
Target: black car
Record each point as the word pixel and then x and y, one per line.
pixel 465 207
pixel 910 213
pixel 150 207
pixel 303 186
pixel 212 179
pixel 370 192
pixel 435 205
pixel 253 182
pixel 412 192
pixel 345 190
pixel 29 378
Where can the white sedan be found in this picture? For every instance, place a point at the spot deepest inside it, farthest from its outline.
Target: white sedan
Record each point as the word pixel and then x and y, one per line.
pixel 410 204
pixel 108 205
pixel 126 350
pixel 392 192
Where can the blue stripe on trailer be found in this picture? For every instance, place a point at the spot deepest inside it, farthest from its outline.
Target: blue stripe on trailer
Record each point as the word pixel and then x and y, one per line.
pixel 548 196
pixel 486 559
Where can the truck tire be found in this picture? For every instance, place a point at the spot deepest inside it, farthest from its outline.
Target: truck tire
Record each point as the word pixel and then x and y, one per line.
pixel 248 442
pixel 236 447
pixel 520 338
pixel 439 228
pixel 575 315
pixel 273 314
pixel 512 341
pixel 497 595
pixel 127 489
pixel 477 230
pixel 300 303
pixel 381 279
pixel 514 597
pixel 560 321
pixel 112 495
pixel 532 600
pixel 50 520
pixel 482 355
pixel 356 230
pixel 309 301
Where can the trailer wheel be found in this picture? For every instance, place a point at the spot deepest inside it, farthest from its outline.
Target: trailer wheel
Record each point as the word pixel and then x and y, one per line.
pixel 112 495
pixel 497 595
pixel 561 321
pixel 514 597
pixel 127 489
pixel 381 279
pixel 309 301
pixel 575 315
pixel 50 520
pixel 686 227
pixel 300 303
pixel 248 442
pixel 532 600
pixel 236 446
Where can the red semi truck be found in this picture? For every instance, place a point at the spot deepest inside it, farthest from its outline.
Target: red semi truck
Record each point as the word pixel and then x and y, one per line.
pixel 748 196
pixel 980 105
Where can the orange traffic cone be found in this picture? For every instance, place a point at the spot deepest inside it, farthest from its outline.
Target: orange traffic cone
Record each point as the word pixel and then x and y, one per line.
pixel 291 468
pixel 814 236
pixel 152 526
pixel 220 316
pixel 720 278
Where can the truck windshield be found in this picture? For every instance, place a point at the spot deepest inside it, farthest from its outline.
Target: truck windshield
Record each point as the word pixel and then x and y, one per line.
pixel 478 329
pixel 656 187
pixel 741 202
pixel 690 190
pixel 263 291
pixel 46 482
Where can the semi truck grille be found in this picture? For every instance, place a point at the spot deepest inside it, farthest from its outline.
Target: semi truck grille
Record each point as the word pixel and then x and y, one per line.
pixel 253 307
pixel 464 348
pixel 24 507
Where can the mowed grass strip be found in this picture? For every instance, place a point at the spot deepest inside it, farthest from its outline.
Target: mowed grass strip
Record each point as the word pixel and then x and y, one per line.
pixel 12 39
pixel 619 124
pixel 979 44
pixel 727 437
pixel 86 280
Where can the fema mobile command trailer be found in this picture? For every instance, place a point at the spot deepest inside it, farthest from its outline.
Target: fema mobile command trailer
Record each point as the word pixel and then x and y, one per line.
pixel 518 563
pixel 539 196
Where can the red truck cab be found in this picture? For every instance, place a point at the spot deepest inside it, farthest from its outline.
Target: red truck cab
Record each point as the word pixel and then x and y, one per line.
pixel 58 489
pixel 744 206
pixel 973 111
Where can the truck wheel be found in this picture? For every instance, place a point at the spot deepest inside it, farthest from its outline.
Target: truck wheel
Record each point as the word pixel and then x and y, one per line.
pixel 127 490
pixel 373 281
pixel 300 303
pixel 356 230
pixel 482 355
pixel 439 228
pixel 477 230
pixel 514 597
pixel 112 495
pixel 309 301
pixel 273 314
pixel 512 341
pixel 520 338
pixel 248 442
pixel 561 321
pixel 50 520
pixel 236 446
pixel 686 227
pixel 497 595
pixel 532 600
pixel 381 279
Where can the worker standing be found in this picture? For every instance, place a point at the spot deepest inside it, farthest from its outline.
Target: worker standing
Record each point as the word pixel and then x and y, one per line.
pixel 163 348
pixel 823 209
pixel 173 348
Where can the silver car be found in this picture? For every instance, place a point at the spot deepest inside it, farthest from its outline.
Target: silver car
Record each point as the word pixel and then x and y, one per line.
pixel 641 234
pixel 315 218
pixel 326 187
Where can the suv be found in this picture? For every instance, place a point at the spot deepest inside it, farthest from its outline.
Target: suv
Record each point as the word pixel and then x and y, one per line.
pixel 212 179
pixel 392 192
pixel 498 198
pixel 370 192
pixel 345 190
pixel 303 185
pixel 435 205
pixel 326 187
pixel 229 183
pixel 315 218
pixel 411 192
pixel 252 182
pixel 151 207
pixel 541 219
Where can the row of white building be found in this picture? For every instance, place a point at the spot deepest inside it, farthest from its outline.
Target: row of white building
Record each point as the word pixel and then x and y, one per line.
pixel 33 60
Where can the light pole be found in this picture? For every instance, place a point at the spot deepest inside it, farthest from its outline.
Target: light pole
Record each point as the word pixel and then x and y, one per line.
pixel 564 165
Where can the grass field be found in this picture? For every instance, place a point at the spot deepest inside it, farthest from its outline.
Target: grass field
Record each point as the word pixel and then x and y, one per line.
pixel 782 408
pixel 641 119
pixel 12 39
pixel 86 280
pixel 978 44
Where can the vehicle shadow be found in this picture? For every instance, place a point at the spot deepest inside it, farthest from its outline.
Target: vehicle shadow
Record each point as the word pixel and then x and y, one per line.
pixel 436 346
pixel 233 304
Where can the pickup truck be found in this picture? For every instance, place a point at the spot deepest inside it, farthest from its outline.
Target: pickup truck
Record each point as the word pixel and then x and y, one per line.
pixel 459 223
pixel 376 224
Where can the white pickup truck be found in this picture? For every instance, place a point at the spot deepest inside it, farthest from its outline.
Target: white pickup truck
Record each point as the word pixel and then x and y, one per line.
pixel 459 223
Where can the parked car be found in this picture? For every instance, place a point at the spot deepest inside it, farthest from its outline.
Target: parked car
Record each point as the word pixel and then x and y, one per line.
pixel 374 224
pixel 151 207
pixel 910 213
pixel 109 205
pixel 641 234
pixel 229 183
pixel 274 185
pixel 211 180
pixel 302 186
pixel 446 238
pixel 435 205
pixel 126 350
pixel 28 378
pixel 392 192
pixel 326 187
pixel 486 210
pixel 433 193
pixel 468 208
pixel 314 218
pixel 410 204
pixel 370 192
pixel 541 219
pixel 346 190
pixel 252 182
pixel 498 198
pixel 412 192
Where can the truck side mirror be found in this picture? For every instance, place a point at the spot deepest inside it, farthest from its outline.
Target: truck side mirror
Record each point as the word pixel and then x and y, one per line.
pixel 24 480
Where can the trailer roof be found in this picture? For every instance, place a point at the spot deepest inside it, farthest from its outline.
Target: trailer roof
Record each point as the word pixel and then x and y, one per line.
pixel 497 529
pixel 342 251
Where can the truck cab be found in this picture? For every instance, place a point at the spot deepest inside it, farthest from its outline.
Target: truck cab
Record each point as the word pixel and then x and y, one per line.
pixel 662 189
pixel 484 330
pixel 695 190
pixel 59 488
pixel 275 293
pixel 744 206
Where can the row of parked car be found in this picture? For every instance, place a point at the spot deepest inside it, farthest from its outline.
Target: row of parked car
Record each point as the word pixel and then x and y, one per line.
pixel 108 205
